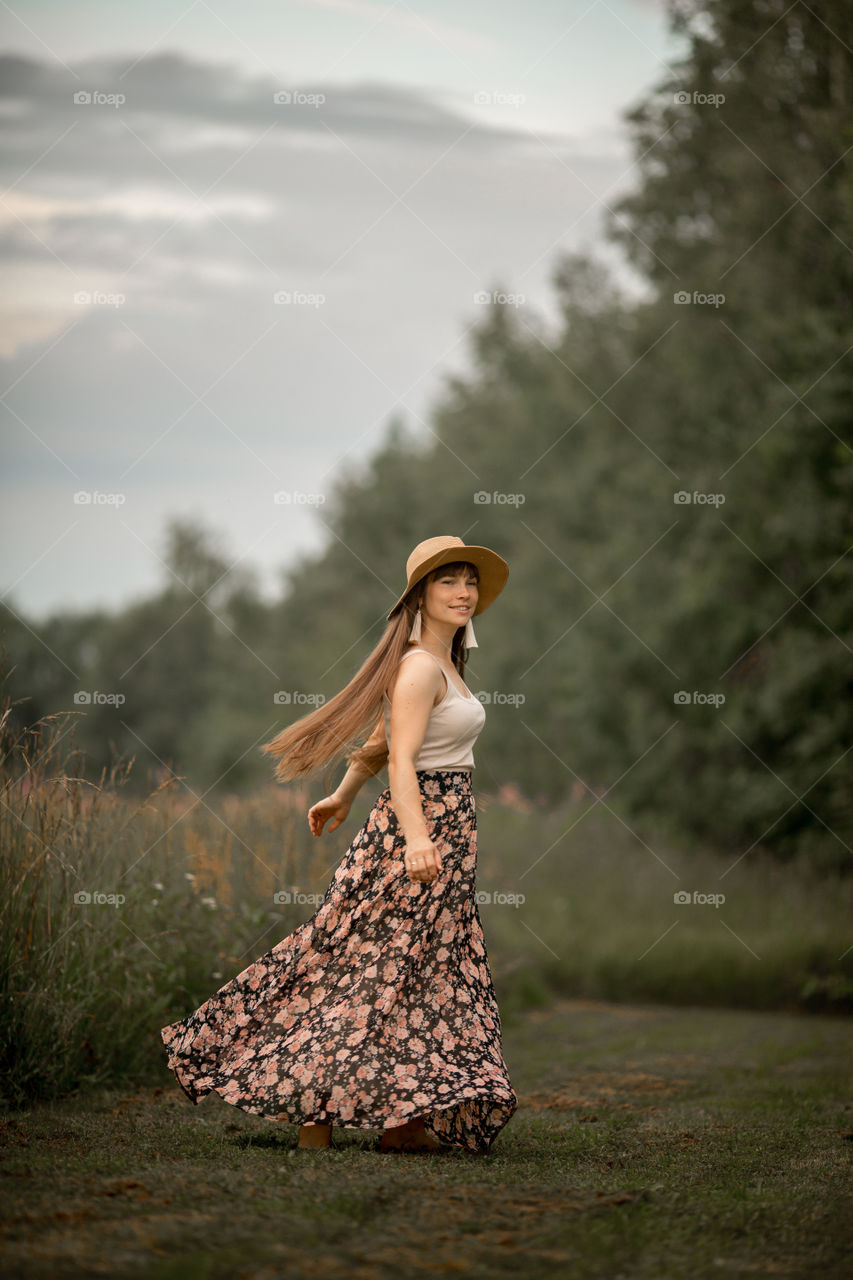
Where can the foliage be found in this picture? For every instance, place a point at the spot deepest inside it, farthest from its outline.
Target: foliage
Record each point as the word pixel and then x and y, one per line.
pixel 620 597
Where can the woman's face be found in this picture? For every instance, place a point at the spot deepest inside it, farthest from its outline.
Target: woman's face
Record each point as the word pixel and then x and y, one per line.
pixel 451 597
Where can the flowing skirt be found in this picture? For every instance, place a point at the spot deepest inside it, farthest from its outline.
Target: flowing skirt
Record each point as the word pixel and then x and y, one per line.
pixel 377 1010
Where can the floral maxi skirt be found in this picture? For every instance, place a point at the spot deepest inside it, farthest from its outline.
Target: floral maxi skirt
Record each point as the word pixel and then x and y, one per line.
pixel 377 1010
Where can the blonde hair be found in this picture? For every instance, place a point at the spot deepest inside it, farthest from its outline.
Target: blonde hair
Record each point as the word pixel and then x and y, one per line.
pixel 328 733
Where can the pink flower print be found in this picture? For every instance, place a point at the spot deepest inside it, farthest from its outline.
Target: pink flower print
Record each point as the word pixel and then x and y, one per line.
pixel 378 1008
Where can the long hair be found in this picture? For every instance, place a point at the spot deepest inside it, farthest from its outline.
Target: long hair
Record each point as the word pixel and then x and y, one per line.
pixel 329 733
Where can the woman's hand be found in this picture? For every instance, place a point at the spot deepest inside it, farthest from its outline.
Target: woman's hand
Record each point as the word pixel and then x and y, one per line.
pixel 331 807
pixel 422 860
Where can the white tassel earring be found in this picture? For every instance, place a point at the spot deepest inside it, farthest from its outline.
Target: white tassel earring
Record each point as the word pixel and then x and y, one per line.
pixel 469 639
pixel 415 633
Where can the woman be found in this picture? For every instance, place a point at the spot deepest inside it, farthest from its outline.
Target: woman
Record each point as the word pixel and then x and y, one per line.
pixel 379 1012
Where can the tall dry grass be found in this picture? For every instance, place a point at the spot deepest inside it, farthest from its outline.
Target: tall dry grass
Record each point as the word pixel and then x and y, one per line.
pixel 118 916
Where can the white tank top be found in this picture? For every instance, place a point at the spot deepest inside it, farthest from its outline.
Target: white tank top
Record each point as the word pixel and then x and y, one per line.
pixel 452 729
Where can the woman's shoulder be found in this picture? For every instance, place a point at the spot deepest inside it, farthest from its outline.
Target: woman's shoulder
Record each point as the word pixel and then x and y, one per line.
pixel 416 648
pixel 431 664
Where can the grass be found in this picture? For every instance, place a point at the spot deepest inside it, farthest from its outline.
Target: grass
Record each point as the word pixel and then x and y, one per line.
pixel 649 1141
pixel 185 891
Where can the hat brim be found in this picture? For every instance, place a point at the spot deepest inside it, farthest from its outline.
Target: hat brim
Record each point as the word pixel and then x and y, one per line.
pixel 494 573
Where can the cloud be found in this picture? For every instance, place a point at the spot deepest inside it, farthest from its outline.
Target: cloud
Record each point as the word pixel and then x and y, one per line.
pixel 145 242
pixel 111 170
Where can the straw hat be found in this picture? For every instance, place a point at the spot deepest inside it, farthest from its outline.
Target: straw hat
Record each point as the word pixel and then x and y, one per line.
pixel 433 552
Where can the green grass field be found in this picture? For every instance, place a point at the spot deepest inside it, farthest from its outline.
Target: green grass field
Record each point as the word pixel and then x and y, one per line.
pixel 650 1141
pixel 120 914
pixel 702 1126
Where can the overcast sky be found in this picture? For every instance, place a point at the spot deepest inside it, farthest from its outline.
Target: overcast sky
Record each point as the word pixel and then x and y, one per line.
pixel 171 175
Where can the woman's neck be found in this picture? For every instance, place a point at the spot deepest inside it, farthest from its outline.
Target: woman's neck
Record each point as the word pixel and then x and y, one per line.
pixel 443 655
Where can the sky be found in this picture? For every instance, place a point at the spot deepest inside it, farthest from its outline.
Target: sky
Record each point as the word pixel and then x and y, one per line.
pixel 238 239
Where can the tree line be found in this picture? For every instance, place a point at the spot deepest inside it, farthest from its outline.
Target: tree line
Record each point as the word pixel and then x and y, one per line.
pixel 669 478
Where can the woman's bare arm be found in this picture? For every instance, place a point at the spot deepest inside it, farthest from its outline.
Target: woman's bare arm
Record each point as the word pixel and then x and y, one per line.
pixel 413 699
